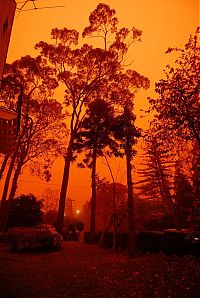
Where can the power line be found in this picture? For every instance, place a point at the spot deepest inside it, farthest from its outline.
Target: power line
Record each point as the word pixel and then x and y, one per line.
pixel 24 4
pixel 34 182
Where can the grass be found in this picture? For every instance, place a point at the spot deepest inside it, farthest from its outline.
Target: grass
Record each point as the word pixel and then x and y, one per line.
pixel 81 270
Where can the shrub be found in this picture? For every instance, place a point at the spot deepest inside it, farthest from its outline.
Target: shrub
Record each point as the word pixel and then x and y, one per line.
pixel 40 238
pixel 176 242
pixel 150 241
pixel 87 238
pixel 107 240
pixel 173 241
pixel 25 211
pixel 80 226
pixel 71 233
pixel 3 237
pixel 122 241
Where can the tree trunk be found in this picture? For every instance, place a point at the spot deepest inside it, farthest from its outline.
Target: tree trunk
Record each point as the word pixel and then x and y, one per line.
pixel 131 211
pixel 104 232
pixel 5 215
pixel 110 226
pixel 4 221
pixel 114 219
pixel 3 166
pixel 15 180
pixel 114 207
pixel 174 210
pixel 5 191
pixel 64 186
pixel 93 199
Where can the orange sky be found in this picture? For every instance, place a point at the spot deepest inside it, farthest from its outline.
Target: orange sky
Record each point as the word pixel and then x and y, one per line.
pixel 164 23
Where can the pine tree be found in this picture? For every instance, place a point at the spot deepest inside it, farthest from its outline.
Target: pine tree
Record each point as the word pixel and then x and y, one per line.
pixel 183 196
pixel 156 174
pixel 93 137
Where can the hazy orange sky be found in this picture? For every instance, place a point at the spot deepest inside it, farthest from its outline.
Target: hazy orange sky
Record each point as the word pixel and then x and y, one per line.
pixel 165 23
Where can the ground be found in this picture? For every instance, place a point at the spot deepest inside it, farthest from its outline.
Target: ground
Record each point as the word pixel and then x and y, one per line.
pixel 82 270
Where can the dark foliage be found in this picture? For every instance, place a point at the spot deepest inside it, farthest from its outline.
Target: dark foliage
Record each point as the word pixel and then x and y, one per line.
pixel 25 211
pixel 178 105
pixel 170 242
pixel 87 238
pixel 150 241
pixel 159 223
pixel 71 233
pixel 3 237
pixel 41 238
pixel 80 226
pixel 184 197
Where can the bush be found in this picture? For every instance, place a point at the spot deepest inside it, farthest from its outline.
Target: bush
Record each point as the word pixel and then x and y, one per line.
pixel 169 241
pixel 71 233
pixel 179 242
pixel 72 228
pixel 107 240
pixel 87 238
pixel 122 241
pixel 25 211
pixel 150 241
pixel 3 237
pixel 176 242
pixel 40 238
pixel 80 226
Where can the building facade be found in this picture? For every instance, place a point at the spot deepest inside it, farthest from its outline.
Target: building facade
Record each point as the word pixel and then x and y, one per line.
pixel 7 12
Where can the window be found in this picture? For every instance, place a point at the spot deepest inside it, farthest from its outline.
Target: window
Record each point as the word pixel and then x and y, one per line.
pixel 5 25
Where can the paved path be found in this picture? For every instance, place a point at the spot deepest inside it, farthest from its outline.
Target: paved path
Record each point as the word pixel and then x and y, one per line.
pixel 81 270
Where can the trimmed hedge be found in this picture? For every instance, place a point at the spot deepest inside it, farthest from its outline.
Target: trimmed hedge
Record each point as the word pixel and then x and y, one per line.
pixel 3 237
pixel 169 241
pixel 39 238
pixel 87 238
pixel 150 241
pixel 181 243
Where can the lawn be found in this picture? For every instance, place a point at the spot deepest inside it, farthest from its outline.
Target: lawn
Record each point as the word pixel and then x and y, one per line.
pixel 81 270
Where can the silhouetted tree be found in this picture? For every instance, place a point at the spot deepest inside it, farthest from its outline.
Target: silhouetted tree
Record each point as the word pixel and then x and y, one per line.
pixel 126 133
pixel 50 198
pixel 26 210
pixel 183 196
pixel 93 137
pixel 83 70
pixel 39 138
pixel 177 105
pixel 195 170
pixel 104 205
pixel 156 171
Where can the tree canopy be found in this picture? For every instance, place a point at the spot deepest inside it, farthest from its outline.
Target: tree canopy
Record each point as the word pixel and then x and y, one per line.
pixel 177 104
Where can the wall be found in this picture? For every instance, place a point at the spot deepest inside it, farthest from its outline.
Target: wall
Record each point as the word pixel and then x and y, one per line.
pixel 7 12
